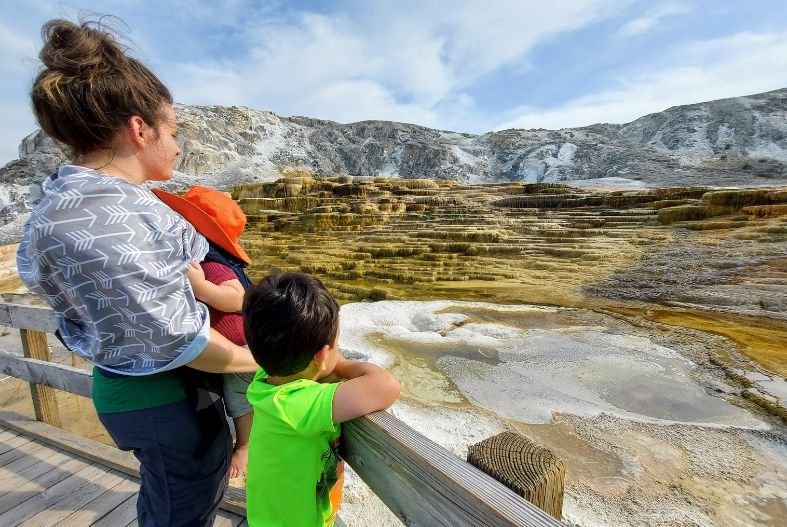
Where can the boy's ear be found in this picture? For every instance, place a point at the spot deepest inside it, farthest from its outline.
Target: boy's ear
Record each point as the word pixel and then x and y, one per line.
pixel 321 357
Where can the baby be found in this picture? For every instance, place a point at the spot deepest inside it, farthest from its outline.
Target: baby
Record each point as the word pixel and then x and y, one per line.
pixel 220 282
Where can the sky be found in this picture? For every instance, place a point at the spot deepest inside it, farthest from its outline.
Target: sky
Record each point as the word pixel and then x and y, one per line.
pixel 463 65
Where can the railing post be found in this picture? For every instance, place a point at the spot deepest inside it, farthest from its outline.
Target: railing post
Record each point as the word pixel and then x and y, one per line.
pixel 529 470
pixel 35 346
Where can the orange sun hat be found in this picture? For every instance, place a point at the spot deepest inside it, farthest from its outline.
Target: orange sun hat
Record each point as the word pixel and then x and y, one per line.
pixel 215 215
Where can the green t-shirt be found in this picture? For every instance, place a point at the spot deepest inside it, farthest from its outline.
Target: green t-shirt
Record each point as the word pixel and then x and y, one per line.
pixel 126 394
pixel 295 474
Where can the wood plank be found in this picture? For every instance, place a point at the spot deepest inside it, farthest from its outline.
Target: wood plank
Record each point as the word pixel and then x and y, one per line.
pixel 528 469
pixel 27 450
pixel 133 523
pixel 13 442
pixel 38 476
pixel 424 484
pixel 227 519
pixel 234 499
pixel 15 468
pixel 121 515
pixel 92 450
pixel 75 500
pixel 47 498
pixel 35 346
pixel 28 317
pixel 6 434
pixel 45 475
pixel 60 376
pixel 103 505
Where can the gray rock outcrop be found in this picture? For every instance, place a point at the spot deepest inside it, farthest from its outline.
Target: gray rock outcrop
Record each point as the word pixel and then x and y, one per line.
pixel 738 142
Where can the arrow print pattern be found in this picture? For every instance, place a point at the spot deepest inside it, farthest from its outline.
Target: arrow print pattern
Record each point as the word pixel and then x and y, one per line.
pixel 102 248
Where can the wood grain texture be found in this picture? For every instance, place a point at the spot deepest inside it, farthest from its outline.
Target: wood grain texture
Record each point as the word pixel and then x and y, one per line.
pixel 234 499
pixel 28 317
pixel 24 449
pixel 36 476
pixel 81 493
pixel 123 514
pixel 35 346
pixel 423 484
pixel 60 376
pixel 225 519
pixel 528 469
pixel 40 493
pixel 103 505
pixel 10 442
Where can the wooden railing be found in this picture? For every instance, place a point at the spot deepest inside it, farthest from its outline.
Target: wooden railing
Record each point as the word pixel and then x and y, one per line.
pixel 421 482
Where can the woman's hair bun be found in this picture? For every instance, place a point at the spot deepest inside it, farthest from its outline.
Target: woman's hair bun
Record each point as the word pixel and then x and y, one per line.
pixel 72 49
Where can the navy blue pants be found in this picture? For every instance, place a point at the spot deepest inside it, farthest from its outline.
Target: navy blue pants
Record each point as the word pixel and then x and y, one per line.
pixel 184 453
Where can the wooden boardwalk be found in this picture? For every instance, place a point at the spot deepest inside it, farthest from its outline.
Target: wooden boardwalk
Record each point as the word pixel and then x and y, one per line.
pixel 42 485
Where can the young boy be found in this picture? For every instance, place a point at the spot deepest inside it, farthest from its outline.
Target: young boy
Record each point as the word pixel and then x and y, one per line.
pixel 220 283
pixel 307 388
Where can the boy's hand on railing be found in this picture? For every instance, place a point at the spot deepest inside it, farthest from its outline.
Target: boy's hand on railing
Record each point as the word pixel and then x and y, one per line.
pixel 368 388
pixel 350 369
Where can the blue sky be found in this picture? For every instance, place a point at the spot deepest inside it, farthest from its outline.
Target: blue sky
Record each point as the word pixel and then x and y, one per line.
pixel 469 66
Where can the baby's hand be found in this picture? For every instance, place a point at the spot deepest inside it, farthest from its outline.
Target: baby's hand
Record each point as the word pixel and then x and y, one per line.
pixel 197 277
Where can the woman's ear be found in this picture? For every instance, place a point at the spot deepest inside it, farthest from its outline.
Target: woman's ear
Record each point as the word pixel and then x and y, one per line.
pixel 137 128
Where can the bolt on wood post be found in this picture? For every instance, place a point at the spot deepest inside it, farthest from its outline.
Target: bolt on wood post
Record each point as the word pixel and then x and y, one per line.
pixel 529 470
pixel 34 346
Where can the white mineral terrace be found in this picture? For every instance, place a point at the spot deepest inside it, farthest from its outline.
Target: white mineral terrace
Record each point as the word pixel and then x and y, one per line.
pixel 645 438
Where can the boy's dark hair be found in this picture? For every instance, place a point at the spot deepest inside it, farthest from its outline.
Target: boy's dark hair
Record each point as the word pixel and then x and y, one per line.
pixel 287 319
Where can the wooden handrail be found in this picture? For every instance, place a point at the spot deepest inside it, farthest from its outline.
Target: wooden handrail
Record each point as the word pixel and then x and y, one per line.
pixel 420 481
pixel 28 317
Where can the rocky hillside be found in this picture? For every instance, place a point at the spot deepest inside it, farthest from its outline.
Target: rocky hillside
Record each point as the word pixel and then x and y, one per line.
pixel 740 141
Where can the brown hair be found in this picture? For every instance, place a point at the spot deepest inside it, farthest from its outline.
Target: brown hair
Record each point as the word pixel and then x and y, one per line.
pixel 89 88
pixel 287 319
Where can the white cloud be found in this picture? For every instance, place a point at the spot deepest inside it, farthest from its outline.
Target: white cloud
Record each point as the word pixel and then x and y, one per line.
pixel 486 36
pixel 348 101
pixel 650 19
pixel 413 57
pixel 703 71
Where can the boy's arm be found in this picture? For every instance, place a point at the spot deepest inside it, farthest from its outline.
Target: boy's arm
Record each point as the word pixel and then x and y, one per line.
pixel 369 388
pixel 227 296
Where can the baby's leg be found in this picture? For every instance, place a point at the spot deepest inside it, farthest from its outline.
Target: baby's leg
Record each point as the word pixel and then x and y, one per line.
pixel 240 454
pixel 238 407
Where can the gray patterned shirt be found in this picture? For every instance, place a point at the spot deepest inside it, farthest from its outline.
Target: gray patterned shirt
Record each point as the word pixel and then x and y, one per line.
pixel 111 260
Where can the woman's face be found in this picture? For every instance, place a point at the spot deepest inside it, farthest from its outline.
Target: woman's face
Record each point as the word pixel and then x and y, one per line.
pixel 162 150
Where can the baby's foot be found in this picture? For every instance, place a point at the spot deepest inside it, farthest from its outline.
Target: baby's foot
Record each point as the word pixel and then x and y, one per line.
pixel 239 460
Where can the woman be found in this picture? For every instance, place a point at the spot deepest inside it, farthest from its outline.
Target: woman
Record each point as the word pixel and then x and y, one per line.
pixel 112 260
